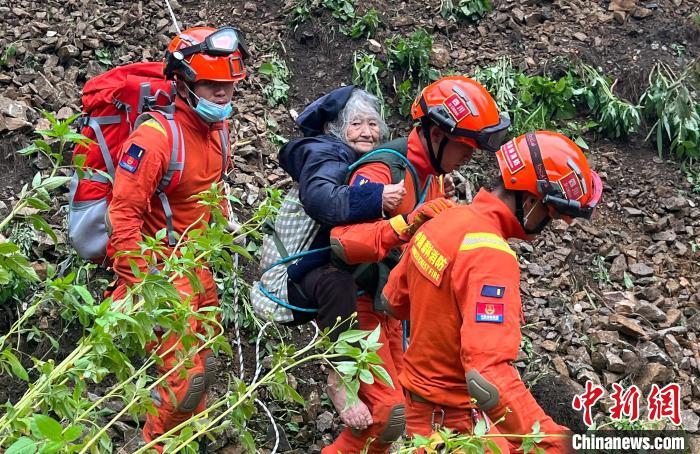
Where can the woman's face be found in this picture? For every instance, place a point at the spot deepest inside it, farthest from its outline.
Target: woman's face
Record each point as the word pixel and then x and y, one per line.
pixel 363 134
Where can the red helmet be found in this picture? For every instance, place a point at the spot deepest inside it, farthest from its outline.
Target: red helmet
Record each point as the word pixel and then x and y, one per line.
pixel 205 53
pixel 552 168
pixel 463 108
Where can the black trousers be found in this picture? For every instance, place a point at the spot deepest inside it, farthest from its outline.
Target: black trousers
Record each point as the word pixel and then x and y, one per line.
pixel 331 292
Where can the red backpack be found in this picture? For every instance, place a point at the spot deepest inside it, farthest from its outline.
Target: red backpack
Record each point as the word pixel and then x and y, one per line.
pixel 114 104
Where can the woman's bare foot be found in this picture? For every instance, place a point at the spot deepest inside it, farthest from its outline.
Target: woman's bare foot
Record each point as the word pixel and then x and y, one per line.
pixel 356 416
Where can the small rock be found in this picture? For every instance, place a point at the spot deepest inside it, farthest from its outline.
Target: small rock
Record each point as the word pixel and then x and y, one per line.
pixel 667 235
pixel 627 326
pixel 641 269
pixel 690 421
pixel 652 353
pixel 604 337
pixel 374 46
pixel 535 269
pixel 549 345
pixel 440 56
pixel 614 363
pixel 67 51
pixel 560 366
pixel 650 312
pixel 673 348
pixel 654 373
pixel 674 203
pixel 618 268
pixel 581 36
pixel 641 12
pixel 534 19
pixel 324 421
pixel 633 212
pixel 619 17
pixel 251 7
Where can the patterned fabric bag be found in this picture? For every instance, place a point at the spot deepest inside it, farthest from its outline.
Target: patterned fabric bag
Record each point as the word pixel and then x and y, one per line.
pixel 293 233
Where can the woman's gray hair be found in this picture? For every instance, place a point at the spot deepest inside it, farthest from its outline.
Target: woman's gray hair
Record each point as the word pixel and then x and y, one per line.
pixel 360 103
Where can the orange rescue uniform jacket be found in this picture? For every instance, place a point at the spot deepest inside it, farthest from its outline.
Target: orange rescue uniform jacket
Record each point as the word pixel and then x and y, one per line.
pixel 135 209
pixel 458 283
pixel 371 242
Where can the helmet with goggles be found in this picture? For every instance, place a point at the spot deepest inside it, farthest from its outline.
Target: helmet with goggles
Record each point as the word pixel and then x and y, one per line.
pixel 465 110
pixel 205 53
pixel 552 168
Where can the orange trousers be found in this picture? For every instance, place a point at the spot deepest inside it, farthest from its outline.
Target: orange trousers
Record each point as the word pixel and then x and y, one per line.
pixel 424 418
pixel 382 400
pixel 181 395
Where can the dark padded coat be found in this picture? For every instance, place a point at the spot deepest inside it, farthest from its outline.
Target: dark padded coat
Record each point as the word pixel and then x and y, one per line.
pixel 319 163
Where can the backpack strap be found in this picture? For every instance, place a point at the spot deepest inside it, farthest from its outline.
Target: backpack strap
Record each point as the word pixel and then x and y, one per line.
pixel 225 148
pixel 96 123
pixel 393 155
pixel 167 121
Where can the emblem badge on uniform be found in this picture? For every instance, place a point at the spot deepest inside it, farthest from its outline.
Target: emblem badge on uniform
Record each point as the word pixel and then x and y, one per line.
pixel 132 158
pixel 360 180
pixel 493 291
pixel 489 312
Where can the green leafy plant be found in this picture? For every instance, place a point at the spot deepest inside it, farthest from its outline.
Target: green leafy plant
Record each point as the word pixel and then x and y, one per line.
pixel 478 442
pixel 673 104
pixel 616 118
pixel 692 174
pixel 277 74
pixel 412 56
pixel 405 95
pixel 601 272
pixel 8 54
pixel 469 10
pixel 365 26
pixel 365 73
pixel 342 10
pixel 104 56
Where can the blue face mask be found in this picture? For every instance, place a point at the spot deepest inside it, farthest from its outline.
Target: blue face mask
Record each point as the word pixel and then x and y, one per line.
pixel 212 112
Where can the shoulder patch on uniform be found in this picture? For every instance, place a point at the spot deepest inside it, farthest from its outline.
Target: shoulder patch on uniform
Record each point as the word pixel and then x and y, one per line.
pixel 478 240
pixel 489 312
pixel 132 158
pixel 429 260
pixel 155 125
pixel 360 180
pixel 493 291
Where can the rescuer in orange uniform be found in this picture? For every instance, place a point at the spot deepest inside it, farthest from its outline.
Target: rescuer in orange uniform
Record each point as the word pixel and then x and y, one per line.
pixel 457 115
pixel 205 64
pixel 458 283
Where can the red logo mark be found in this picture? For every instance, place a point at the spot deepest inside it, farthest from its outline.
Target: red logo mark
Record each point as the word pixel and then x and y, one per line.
pixel 586 400
pixel 625 404
pixel 571 186
pixel 665 403
pixel 457 107
pixel 513 159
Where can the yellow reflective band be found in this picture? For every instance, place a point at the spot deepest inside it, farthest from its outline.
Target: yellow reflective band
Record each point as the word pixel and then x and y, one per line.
pixel 155 125
pixel 484 239
pixel 398 223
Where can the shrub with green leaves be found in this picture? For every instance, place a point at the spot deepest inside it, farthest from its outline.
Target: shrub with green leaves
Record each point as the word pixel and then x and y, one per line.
pixel 616 118
pixel 365 73
pixel 365 26
pixel 342 10
pixel 673 104
pixel 468 10
pixel 412 55
pixel 277 74
pixel 405 95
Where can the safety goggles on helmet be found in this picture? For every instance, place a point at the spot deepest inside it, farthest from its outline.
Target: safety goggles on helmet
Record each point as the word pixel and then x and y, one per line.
pixel 554 195
pixel 490 138
pixel 222 42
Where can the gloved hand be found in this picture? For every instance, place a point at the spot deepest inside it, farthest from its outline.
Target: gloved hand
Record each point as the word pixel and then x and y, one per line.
pixel 407 226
